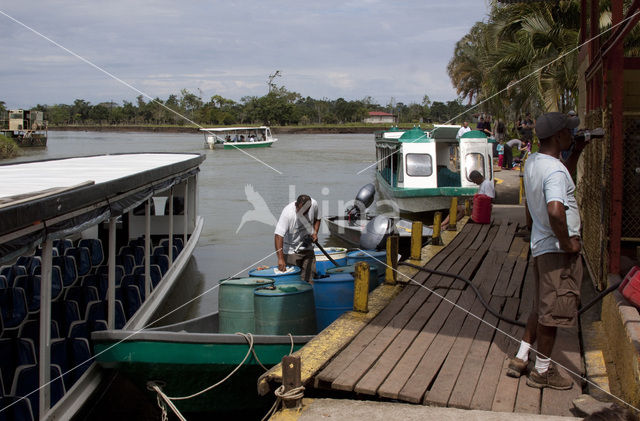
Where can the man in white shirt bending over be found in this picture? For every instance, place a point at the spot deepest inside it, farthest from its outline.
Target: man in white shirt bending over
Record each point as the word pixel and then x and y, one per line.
pixel 295 233
pixel 486 186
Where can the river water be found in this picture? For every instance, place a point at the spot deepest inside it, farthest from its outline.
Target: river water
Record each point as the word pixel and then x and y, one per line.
pixel 324 166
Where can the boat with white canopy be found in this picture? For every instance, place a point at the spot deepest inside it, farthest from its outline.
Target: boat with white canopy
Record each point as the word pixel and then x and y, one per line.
pixel 86 244
pixel 238 137
pixel 422 170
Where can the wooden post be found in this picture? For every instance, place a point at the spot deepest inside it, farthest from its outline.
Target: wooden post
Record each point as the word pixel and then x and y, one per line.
pixel 436 239
pixel 291 378
pixel 416 240
pixel 467 207
pixel 521 192
pixel 361 287
pixel 391 274
pixel 453 214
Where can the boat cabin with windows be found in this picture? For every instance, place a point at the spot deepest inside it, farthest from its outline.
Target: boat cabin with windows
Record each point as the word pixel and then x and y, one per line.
pixel 422 170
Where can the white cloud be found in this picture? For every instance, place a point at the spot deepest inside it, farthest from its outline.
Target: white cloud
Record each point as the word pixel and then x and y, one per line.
pixel 330 49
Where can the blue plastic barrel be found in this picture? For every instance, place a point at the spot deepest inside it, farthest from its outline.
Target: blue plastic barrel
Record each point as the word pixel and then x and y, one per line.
pixel 338 254
pixel 373 257
pixel 333 297
pixel 292 276
pixel 235 304
pixel 350 269
pixel 285 308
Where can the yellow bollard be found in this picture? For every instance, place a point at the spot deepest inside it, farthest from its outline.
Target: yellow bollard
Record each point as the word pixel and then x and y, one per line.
pixel 416 240
pixel 436 239
pixel 361 287
pixel 521 192
pixel 467 207
pixel 453 214
pixel 390 275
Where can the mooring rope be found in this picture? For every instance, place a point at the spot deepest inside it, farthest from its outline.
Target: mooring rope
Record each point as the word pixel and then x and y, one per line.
pixel 281 396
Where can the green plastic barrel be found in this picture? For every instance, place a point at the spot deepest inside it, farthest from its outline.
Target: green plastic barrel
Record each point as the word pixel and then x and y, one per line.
pixel 235 304
pixel 285 308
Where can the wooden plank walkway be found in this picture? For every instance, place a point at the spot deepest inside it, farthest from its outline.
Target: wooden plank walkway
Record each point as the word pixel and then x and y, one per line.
pixel 436 344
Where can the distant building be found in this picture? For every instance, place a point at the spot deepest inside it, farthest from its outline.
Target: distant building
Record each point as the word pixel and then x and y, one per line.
pixel 380 117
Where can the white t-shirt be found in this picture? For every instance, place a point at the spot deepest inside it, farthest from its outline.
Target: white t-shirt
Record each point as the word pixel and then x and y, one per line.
pixel 546 179
pixel 486 187
pixel 293 229
pixel 462 131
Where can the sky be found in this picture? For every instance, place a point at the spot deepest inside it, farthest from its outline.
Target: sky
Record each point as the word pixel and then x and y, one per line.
pixel 325 49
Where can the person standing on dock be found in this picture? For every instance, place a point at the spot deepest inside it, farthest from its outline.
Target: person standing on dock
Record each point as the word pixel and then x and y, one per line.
pixel 296 231
pixel 554 220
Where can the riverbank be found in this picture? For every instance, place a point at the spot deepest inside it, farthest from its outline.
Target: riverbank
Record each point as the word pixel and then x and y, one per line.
pixel 310 129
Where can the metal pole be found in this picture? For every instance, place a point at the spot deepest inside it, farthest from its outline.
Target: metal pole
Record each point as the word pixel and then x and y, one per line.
pixel 171 225
pixel 44 368
pixel 111 299
pixel 147 249
pixel 186 208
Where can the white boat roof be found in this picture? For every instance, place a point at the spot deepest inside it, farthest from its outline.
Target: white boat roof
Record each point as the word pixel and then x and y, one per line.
pixel 233 129
pixel 34 177
pixel 34 193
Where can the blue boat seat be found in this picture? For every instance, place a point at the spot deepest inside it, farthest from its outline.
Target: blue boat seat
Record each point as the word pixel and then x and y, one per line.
pixel 97 310
pixel 162 261
pixel 15 409
pixel 137 241
pixel 67 265
pixel 62 245
pixel 13 307
pixel 3 282
pixel 13 353
pixel 56 281
pixel 138 281
pixel 83 329
pixel 26 381
pixel 136 251
pixel 131 300
pixel 54 251
pixel 65 312
pixel 82 258
pixel 31 330
pixel 177 242
pixel 10 272
pixel 96 252
pixel 104 270
pixel 73 355
pixel 100 282
pixel 154 272
pixel 127 262
pixel 165 250
pixel 82 295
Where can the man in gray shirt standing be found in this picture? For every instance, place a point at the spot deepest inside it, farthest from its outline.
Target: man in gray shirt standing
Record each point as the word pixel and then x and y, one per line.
pixel 552 215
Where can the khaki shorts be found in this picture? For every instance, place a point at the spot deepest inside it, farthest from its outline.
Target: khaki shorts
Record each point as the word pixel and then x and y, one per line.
pixel 558 279
pixel 306 261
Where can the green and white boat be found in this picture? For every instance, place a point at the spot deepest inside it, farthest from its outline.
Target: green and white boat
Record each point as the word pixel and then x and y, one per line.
pixel 420 171
pixel 188 357
pixel 238 137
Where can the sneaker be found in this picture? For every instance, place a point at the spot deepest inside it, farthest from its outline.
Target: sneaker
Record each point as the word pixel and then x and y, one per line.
pixel 516 367
pixel 551 378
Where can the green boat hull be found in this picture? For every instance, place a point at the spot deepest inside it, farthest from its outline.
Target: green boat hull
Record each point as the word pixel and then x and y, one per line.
pixel 186 368
pixel 246 145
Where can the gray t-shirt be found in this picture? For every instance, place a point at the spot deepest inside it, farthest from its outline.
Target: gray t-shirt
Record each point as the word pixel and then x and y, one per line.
pixel 514 142
pixel 546 179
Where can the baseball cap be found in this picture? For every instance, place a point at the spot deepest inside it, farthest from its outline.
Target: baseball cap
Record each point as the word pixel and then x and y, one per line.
pixel 551 123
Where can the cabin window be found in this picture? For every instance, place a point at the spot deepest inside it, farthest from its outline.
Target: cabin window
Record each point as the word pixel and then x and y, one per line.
pixel 419 165
pixel 474 162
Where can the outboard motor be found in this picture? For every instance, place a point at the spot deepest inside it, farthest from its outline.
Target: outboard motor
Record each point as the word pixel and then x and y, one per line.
pixel 363 200
pixel 376 232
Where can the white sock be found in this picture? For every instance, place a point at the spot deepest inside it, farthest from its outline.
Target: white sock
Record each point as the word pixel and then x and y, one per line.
pixel 542 364
pixel 523 352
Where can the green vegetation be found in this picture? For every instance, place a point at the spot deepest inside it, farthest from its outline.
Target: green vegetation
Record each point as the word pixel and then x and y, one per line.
pixel 279 107
pixel 8 148
pixel 523 59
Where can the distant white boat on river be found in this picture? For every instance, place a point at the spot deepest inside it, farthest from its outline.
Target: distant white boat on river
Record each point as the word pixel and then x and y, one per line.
pixel 238 137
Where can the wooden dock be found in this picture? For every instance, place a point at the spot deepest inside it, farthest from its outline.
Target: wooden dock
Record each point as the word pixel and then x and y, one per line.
pixel 422 349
